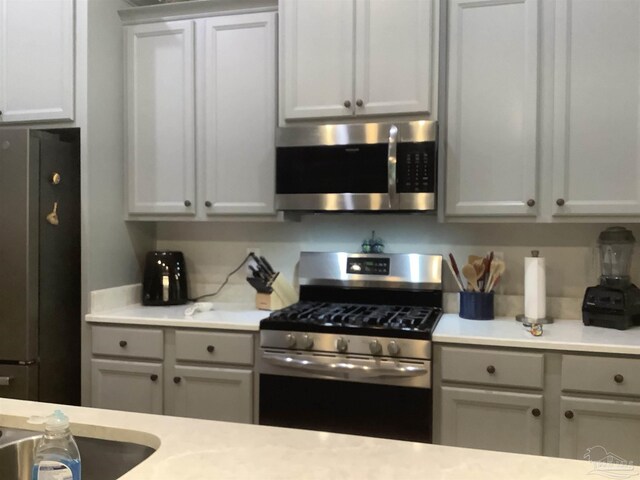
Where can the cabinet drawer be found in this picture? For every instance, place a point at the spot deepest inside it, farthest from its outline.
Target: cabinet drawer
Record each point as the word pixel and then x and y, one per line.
pixel 493 367
pixel 214 347
pixel 620 376
pixel 127 342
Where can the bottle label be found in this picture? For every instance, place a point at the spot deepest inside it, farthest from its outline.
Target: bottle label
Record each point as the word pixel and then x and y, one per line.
pixel 50 470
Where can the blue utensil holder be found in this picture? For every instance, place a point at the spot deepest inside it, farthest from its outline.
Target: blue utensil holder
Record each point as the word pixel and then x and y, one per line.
pixel 476 305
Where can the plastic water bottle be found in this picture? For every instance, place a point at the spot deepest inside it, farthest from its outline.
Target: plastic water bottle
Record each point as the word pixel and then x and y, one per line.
pixel 56 455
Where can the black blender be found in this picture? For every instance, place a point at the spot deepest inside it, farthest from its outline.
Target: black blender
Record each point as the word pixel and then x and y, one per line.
pixel 615 303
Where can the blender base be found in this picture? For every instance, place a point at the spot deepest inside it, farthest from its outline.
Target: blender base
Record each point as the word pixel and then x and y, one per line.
pixel 611 307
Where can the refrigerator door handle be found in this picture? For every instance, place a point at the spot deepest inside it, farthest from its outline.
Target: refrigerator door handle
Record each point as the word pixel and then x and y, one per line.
pixel 5 381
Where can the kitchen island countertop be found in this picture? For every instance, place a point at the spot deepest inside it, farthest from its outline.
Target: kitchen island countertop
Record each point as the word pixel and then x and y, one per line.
pixel 189 449
pixel 565 335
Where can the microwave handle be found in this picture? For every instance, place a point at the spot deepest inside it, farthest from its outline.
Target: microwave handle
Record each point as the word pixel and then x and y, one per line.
pixel 392 161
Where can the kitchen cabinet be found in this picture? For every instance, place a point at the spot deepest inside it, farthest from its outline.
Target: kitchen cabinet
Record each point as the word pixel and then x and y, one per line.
pixel 491 139
pixel 127 385
pixel 338 58
pixel 201 116
pixel 543 127
pixel 596 141
pixel 537 402
pixel 185 372
pixel 36 60
pixel 471 413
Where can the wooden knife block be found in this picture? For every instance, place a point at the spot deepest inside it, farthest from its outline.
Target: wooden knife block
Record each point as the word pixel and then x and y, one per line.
pixel 282 296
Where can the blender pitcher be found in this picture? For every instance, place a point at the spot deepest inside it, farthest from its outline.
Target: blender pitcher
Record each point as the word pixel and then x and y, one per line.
pixel 616 248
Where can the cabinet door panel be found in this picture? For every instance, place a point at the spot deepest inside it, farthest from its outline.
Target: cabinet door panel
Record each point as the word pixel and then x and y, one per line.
pixel 160 132
pixel 487 419
pixel 36 60
pixel 394 56
pixel 596 107
pixel 492 107
pixel 240 118
pixel 317 46
pixel 598 428
pixel 120 385
pixel 212 394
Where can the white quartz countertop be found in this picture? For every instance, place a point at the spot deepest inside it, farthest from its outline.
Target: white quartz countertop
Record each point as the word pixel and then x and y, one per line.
pixel 189 449
pixel 567 335
pixel 227 316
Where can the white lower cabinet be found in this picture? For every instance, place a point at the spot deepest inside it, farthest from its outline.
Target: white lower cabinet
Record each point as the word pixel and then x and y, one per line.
pixel 189 373
pixel 582 407
pixel 211 393
pixel 471 416
pixel 126 385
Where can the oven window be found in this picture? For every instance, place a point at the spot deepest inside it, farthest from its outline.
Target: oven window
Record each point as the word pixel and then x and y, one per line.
pixel 402 413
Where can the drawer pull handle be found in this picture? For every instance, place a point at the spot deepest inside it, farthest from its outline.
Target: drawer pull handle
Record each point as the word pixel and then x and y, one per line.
pixel 536 412
pixel 210 348
pixel 154 377
pixel 123 343
pixel 618 378
pixel 177 380
pixel 491 369
pixel 568 414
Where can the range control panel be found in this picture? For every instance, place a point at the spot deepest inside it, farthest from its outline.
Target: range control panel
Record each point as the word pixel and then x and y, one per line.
pixel 368 266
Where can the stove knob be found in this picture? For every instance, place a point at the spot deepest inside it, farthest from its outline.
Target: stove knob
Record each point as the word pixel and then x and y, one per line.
pixel 375 347
pixel 341 345
pixel 291 340
pixel 394 348
pixel 307 341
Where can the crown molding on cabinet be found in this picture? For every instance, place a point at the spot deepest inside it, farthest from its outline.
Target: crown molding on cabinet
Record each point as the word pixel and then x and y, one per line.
pixel 144 11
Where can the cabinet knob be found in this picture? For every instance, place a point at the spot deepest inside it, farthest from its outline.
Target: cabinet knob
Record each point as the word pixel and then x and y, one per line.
pixel 210 348
pixel 491 369
pixel 359 102
pixel 177 380
pixel 618 378
pixel 123 343
pixel 0 112
pixel 154 377
pixel 531 202
pixel 536 412
pixel 560 202
pixel 187 203
pixel 347 103
pixel 568 414
pixel 207 204
pixel 55 178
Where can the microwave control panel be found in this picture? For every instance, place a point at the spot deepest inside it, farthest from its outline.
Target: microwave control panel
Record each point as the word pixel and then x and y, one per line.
pixel 416 167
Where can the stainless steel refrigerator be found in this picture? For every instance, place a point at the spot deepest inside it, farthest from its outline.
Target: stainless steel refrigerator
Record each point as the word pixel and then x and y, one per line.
pixel 40 264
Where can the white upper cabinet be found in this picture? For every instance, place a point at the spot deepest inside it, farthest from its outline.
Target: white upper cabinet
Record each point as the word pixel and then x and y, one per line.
pixel 317 46
pixel 36 60
pixel 240 114
pixel 394 42
pixel 342 58
pixel 491 144
pixel 201 110
pixel 596 148
pixel 160 114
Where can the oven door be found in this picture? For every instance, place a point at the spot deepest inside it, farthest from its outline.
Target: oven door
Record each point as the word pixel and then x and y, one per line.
pixel 378 397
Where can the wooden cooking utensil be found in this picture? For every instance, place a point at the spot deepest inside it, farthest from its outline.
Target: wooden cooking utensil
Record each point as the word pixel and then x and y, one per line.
pixel 470 274
pixel 457 279
pixel 497 270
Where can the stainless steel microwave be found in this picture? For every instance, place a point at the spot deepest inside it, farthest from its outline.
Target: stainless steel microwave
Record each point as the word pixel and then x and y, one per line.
pixel 357 167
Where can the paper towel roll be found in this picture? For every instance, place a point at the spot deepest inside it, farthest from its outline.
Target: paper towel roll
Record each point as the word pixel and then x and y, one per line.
pixel 535 288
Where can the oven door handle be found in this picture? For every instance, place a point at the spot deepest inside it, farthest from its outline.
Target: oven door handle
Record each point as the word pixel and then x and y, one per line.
pixel 353 369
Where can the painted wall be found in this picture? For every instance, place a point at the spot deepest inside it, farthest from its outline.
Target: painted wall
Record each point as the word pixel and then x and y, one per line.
pixel 214 249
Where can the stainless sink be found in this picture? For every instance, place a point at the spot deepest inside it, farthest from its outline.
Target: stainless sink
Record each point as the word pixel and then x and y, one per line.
pixel 101 459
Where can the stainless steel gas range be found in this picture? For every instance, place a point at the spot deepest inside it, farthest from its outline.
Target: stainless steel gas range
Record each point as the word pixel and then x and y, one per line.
pixel 354 354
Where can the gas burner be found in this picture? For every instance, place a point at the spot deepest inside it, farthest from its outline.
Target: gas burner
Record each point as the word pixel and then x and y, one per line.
pixel 365 319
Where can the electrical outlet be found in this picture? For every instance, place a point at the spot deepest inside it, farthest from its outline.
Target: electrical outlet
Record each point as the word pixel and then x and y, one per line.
pixel 256 252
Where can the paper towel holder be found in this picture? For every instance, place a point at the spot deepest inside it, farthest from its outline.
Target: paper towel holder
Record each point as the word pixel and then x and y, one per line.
pixel 526 321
